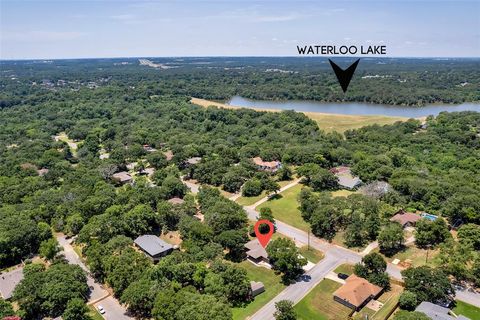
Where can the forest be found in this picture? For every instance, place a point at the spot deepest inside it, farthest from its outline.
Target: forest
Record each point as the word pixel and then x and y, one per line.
pixel 138 114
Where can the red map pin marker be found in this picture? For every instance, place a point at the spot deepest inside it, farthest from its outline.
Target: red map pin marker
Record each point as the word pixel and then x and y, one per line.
pixel 263 238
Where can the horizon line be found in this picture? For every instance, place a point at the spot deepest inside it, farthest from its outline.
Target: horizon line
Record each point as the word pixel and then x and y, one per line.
pixel 246 56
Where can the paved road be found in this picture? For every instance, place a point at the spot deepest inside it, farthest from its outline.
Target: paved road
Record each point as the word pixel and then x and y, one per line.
pixel 113 309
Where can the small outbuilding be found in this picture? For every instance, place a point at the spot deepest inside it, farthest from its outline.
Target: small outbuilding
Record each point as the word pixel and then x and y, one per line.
pixel 257 288
pixel 153 247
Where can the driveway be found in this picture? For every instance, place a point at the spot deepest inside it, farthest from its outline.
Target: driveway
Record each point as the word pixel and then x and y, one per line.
pixel 97 291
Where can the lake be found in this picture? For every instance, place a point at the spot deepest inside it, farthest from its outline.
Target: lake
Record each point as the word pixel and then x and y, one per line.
pixel 353 108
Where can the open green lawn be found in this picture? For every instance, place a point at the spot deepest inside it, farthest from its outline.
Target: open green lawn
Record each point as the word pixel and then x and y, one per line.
pixel 417 256
pixel 344 268
pixel 273 286
pixel 93 313
pixel 318 304
pixel 467 310
pixel 248 201
pixel 342 193
pixel 285 208
pixel 311 254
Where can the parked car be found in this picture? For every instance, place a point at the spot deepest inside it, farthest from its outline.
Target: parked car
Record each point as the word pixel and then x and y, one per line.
pixel 101 310
pixel 342 276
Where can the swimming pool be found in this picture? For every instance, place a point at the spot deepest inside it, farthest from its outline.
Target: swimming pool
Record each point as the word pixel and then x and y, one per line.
pixel 429 216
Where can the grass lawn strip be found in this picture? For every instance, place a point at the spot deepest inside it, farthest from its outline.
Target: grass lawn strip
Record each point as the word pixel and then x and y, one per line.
pixel 319 303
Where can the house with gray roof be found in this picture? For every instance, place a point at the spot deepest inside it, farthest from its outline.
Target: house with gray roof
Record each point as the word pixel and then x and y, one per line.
pixel 436 312
pixel 345 178
pixel 153 247
pixel 8 282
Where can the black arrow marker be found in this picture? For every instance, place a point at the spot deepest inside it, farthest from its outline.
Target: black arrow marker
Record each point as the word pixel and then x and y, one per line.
pixel 344 76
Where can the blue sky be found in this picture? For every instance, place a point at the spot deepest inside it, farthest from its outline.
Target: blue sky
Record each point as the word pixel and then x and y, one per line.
pixel 109 28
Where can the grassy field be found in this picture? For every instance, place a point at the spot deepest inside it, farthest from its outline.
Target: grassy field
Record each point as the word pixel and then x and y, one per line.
pixel 344 268
pixel 319 303
pixel 273 286
pixel 93 313
pixel 342 193
pixel 467 310
pixel 285 208
pixel 417 256
pixel 248 201
pixel 311 255
pixel 326 122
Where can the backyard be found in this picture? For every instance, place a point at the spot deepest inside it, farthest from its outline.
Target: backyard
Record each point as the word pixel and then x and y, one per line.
pixel 319 303
pixel 272 283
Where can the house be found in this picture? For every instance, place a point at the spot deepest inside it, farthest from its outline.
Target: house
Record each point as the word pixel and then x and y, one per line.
pixel 257 288
pixel 42 172
pixel 255 252
pixel 122 177
pixel 270 166
pixel 437 312
pixel 176 201
pixel 153 246
pixel 345 177
pixel 193 161
pixel 149 148
pixel 8 282
pixel 356 292
pixel 406 219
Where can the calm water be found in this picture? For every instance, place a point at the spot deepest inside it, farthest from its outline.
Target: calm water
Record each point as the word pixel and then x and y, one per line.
pixel 353 107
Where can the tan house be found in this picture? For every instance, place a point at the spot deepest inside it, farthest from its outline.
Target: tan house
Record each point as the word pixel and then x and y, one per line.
pixel 406 219
pixel 356 292
pixel 122 177
pixel 255 252
pixel 270 166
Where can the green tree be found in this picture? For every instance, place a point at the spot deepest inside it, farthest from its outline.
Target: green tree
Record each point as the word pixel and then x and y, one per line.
pixel 74 224
pixel 284 173
pixel 76 310
pixel 372 268
pixel 428 284
pixel 408 300
pixel 228 281
pixel 157 160
pixel 49 249
pixel 431 233
pixel 6 309
pixel 47 292
pixel 323 179
pixel 284 310
pixel 391 239
pixel 252 188
pixel 139 297
pixel 470 234
pixel 284 257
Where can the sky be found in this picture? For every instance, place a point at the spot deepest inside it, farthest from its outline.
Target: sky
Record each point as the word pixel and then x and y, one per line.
pixel 110 28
